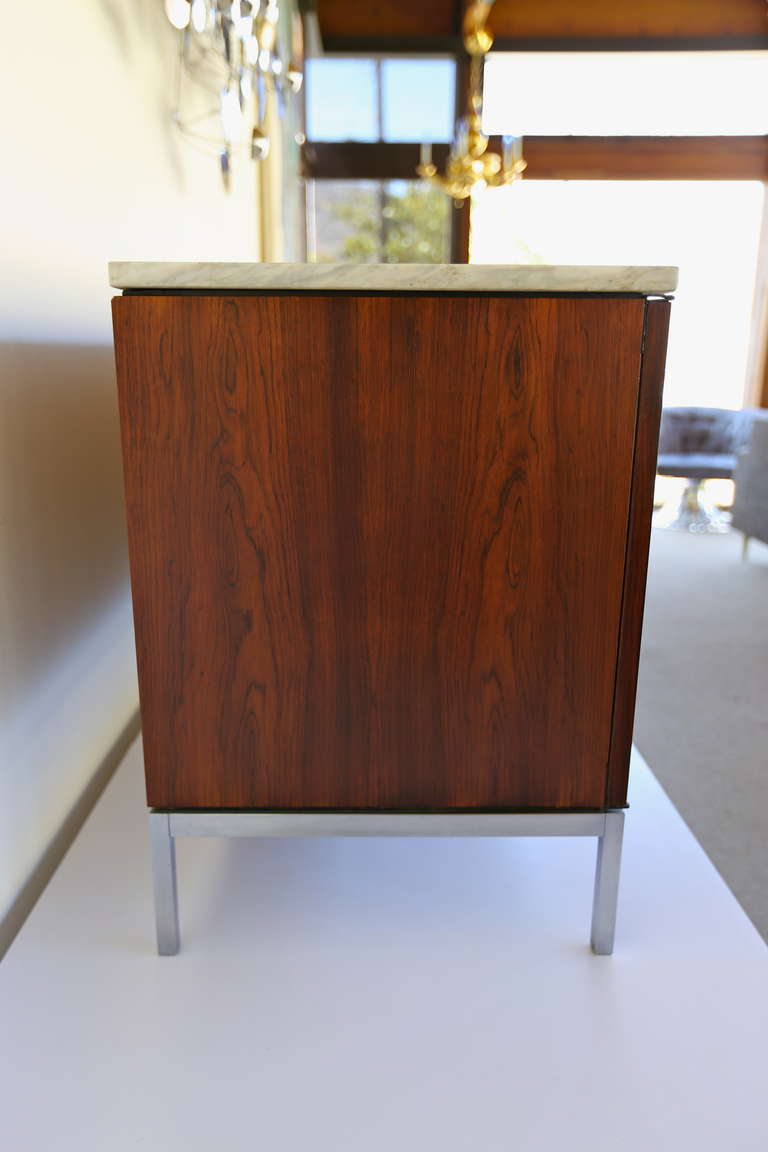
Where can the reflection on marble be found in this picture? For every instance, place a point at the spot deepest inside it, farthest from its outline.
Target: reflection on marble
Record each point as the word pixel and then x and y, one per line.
pixel 395 277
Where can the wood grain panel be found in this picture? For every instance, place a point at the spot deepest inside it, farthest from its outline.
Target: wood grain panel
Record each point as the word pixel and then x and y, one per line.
pixel 638 540
pixel 377 545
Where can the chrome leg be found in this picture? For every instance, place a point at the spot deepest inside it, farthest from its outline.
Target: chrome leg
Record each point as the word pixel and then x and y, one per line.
pixel 745 547
pixel 164 883
pixel 607 884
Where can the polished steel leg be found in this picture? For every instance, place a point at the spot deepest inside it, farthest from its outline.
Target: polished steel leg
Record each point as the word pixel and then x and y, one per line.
pixel 607 884
pixel 164 882
pixel 164 827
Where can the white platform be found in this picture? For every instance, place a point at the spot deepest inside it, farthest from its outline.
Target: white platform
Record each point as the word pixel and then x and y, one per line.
pixel 384 996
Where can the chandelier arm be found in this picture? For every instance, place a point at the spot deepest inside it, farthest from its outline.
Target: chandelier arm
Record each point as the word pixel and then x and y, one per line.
pixel 470 165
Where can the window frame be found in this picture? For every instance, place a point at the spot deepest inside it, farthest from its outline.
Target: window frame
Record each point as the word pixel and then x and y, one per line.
pixel 383 160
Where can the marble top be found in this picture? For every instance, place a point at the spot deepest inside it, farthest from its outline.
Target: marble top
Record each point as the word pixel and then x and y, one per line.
pixel 651 281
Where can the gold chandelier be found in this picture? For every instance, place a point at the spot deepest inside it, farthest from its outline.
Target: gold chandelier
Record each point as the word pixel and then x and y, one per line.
pixel 470 165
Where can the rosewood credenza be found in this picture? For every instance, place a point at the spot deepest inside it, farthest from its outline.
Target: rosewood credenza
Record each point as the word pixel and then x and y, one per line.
pixel 388 532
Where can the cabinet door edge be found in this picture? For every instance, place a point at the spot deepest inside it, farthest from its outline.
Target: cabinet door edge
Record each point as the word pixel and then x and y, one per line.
pixel 638 542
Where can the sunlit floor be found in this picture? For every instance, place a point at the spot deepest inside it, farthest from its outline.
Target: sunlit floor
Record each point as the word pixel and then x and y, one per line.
pixel 371 995
pixel 702 720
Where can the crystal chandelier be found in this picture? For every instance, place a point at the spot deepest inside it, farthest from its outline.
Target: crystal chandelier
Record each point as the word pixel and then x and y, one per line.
pixel 230 52
pixel 470 165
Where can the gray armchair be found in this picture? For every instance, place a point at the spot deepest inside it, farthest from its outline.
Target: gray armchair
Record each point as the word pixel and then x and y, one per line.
pixel 750 506
pixel 700 444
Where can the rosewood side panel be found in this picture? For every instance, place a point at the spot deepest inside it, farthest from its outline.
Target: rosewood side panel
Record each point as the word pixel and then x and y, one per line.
pixel 638 541
pixel 378 546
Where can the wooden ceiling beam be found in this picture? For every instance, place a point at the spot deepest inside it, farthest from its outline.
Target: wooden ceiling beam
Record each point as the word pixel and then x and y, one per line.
pixel 393 20
pixel 355 160
pixel 433 26
pixel 646 157
pixel 563 158
pixel 704 20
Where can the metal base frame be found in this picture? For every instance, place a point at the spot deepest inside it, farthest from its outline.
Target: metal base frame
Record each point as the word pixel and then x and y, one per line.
pixel 165 827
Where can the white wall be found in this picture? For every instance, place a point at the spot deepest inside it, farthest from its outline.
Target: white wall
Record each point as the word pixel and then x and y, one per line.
pixel 93 170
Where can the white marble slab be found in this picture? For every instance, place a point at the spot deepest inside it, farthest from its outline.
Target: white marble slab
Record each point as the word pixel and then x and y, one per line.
pixel 368 995
pixel 650 281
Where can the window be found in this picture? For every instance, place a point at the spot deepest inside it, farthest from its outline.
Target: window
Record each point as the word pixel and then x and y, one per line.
pixel 342 100
pixel 379 102
pixel 417 100
pixel 393 100
pixel 627 93
pixel 372 221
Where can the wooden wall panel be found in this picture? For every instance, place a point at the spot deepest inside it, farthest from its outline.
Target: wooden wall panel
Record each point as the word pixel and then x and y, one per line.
pixel 377 545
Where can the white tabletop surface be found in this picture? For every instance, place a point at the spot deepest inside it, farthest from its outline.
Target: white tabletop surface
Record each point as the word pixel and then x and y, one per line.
pixel 394 277
pixel 381 995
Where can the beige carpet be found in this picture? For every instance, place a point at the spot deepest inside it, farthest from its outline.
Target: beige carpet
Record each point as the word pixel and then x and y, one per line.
pixel 702 708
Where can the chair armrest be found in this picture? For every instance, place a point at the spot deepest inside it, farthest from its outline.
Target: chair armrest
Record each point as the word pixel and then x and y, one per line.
pixel 751 474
